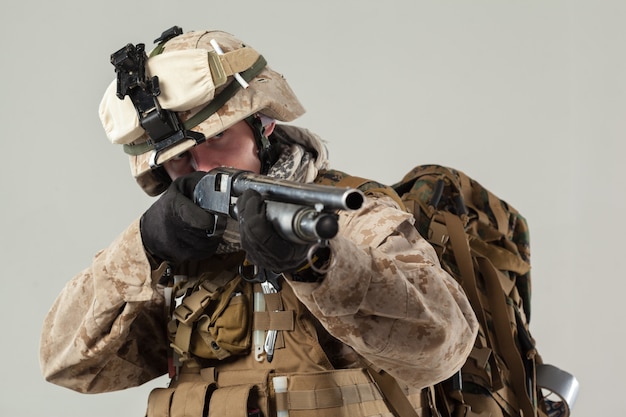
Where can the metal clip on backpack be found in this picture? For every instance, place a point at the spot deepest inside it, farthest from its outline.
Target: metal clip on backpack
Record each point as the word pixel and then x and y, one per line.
pixel 483 243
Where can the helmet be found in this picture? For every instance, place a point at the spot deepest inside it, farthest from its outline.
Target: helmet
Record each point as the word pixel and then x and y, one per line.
pixel 197 84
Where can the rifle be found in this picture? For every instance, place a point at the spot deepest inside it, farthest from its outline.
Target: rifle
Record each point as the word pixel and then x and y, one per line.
pixel 301 213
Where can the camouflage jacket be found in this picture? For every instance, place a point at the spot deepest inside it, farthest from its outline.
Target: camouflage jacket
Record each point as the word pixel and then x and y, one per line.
pixel 386 298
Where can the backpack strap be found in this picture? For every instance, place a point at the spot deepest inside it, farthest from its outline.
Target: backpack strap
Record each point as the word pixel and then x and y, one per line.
pixel 504 339
pixel 462 254
pixel 508 347
pixel 394 396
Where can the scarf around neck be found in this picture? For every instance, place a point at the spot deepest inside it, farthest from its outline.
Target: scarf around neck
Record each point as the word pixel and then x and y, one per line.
pixel 302 156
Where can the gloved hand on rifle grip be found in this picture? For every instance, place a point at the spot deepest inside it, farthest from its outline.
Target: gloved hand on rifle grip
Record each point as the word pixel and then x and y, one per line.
pixel 262 243
pixel 174 228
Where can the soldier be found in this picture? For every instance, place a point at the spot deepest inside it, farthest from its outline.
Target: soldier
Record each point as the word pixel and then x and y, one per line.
pixel 170 295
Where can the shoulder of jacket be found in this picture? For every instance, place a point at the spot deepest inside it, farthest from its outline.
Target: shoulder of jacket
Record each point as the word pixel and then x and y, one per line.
pixel 367 186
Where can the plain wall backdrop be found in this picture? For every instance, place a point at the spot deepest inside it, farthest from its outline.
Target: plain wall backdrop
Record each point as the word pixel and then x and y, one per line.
pixel 528 97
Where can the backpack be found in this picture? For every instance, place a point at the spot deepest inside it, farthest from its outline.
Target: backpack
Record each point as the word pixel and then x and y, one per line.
pixel 483 242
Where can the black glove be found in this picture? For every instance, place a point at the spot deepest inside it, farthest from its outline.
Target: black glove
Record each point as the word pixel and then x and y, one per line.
pixel 264 246
pixel 174 228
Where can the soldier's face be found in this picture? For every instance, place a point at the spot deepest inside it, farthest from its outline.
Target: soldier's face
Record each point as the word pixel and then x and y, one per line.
pixel 235 147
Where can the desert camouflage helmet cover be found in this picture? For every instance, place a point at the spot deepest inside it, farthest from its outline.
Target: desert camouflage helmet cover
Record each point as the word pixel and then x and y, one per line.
pixel 192 75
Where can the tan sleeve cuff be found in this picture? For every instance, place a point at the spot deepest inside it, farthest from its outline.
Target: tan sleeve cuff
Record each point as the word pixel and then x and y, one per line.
pixel 344 287
pixel 124 266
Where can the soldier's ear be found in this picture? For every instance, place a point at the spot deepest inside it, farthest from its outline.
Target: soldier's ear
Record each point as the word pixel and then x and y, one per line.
pixel 269 128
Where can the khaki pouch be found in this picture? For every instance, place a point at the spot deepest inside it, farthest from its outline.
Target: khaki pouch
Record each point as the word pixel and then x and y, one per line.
pixel 231 401
pixel 195 394
pixel 214 324
pixel 188 399
pixel 337 393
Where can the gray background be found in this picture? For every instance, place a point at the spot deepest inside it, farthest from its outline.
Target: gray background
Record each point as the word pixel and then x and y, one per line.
pixel 526 96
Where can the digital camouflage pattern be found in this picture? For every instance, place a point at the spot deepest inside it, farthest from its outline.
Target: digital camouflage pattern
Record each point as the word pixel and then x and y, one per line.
pixel 386 299
pixel 105 330
pixel 268 93
pixel 493 266
pixel 511 232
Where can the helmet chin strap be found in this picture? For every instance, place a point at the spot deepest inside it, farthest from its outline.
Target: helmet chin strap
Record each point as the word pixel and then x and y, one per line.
pixel 267 150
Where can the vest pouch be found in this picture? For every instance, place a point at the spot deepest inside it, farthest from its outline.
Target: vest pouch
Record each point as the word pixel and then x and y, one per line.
pixel 233 401
pixel 220 327
pixel 188 399
pixel 225 329
pixel 337 393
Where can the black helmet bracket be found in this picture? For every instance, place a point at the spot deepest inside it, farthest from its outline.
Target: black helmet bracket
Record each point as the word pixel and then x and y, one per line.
pixel 163 126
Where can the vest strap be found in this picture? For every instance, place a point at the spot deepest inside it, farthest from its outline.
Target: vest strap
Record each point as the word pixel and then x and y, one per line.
pixel 274 320
pixel 327 397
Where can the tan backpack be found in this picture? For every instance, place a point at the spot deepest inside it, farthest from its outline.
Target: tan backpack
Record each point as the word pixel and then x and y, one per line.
pixel 483 243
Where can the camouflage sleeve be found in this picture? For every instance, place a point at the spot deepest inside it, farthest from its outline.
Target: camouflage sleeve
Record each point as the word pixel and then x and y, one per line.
pixel 388 298
pixel 105 332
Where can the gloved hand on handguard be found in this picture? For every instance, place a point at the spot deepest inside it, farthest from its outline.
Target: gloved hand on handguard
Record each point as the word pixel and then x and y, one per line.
pixel 264 246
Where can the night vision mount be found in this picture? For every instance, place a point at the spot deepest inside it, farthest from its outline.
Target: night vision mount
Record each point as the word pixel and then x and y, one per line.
pixel 163 126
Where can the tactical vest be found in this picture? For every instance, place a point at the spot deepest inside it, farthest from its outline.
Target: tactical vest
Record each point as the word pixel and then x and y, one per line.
pixel 219 371
pixel 311 374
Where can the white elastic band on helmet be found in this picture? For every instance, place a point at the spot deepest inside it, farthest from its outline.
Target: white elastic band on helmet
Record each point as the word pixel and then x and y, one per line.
pixel 236 75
